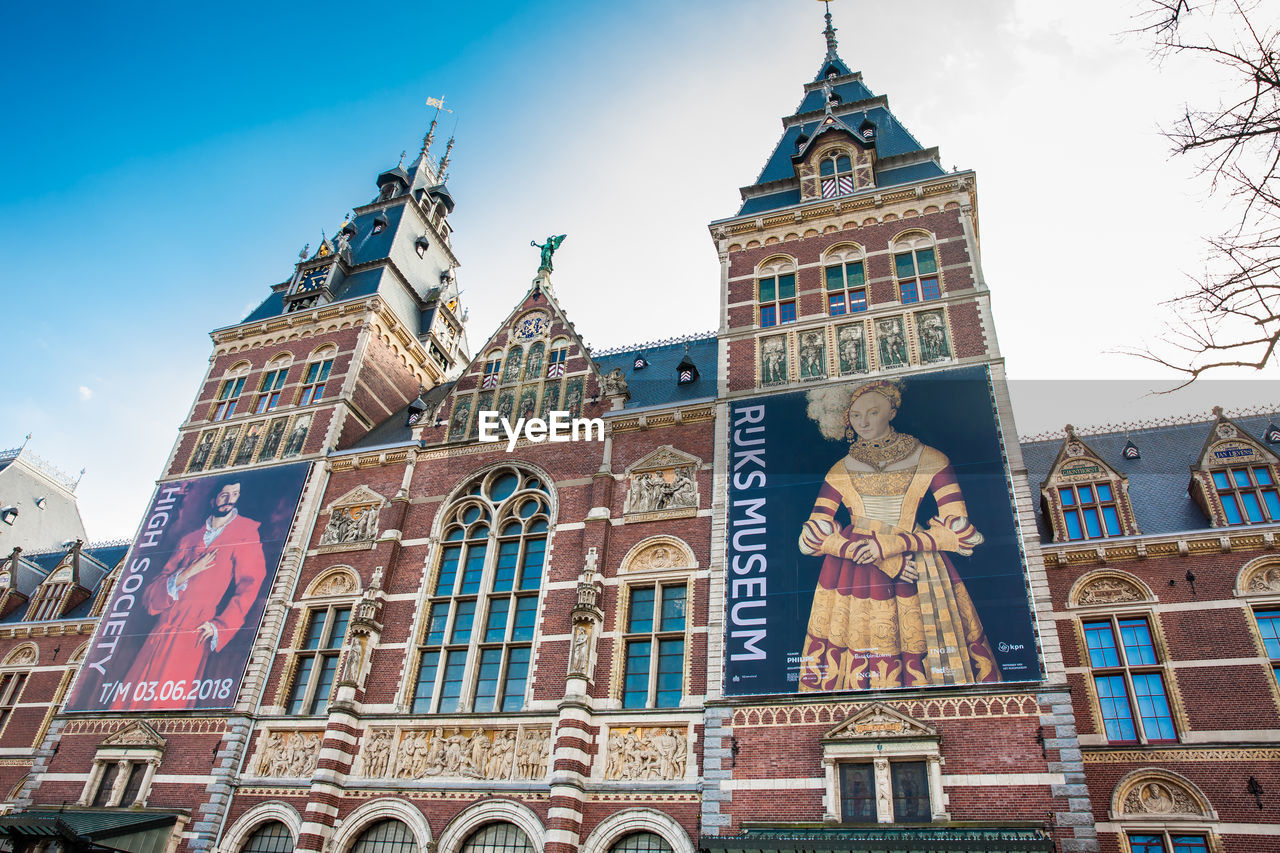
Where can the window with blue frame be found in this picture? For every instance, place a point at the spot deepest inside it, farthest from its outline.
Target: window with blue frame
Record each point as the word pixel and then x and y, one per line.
pixel 1129 680
pixel 1269 628
pixel 846 288
pixel 316 663
pixel 1248 494
pixel 777 299
pixel 1089 511
pixel 917 273
pixel 653 662
pixel 1166 842
pixel 477 639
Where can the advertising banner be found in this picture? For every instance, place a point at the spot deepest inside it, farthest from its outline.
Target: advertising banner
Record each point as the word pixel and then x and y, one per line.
pixel 177 631
pixel 872 541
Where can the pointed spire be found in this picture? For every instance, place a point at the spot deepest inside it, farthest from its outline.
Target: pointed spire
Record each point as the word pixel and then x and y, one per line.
pixel 830 33
pixel 429 138
pixel 444 161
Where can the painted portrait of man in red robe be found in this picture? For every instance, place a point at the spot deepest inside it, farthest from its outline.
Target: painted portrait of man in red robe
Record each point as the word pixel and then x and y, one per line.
pixel 200 598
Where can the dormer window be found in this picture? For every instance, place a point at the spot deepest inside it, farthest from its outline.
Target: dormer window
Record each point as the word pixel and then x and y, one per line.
pixel 1248 494
pixel 379 224
pixel 836 172
pixel 1089 511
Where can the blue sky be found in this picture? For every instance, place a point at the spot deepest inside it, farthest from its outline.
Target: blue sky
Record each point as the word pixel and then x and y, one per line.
pixel 165 163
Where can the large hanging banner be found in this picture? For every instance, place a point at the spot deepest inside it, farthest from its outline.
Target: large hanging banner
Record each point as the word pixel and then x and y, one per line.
pixel 872 540
pixel 177 632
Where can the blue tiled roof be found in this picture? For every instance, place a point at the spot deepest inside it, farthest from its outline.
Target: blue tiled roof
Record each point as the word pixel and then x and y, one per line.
pixel 854 90
pixel 656 385
pixel 107 555
pixel 892 139
pixel 1157 482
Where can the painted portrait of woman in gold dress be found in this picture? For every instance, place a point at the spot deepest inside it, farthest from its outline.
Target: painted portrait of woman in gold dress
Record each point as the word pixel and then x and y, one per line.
pixel 890 609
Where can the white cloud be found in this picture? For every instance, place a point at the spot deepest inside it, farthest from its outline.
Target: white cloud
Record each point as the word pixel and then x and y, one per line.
pixel 85 392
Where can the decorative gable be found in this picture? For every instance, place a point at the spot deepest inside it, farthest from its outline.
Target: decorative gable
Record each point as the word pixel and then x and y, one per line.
pixel 1089 490
pixel 136 735
pixel 353 520
pixel 533 365
pixel 877 722
pixel 1234 478
pixel 834 162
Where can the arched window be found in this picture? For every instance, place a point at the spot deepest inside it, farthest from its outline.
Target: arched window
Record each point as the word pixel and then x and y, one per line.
pixel 846 281
pixel 492 369
pixel 836 172
pixel 641 842
pixel 776 292
pixel 498 838
pixel 386 836
pixel 273 379
pixel 475 650
pixel 324 628
pixel 317 376
pixel 272 837
pixel 916 267
pixel 228 396
pixel 556 359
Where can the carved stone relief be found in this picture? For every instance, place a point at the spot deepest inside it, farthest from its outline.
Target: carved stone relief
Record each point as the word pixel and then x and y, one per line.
pixel 1264 579
pixel 353 518
pixel 289 754
pixel 339 583
pixel 1110 590
pixel 637 753
pixel 660 555
pixel 24 656
pixel 509 753
pixel 1160 798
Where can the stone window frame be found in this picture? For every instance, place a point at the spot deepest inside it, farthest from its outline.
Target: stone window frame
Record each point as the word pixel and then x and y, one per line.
pixel 257 816
pixel 632 574
pixel 619 825
pixel 1258 584
pixel 350 828
pixel 275 378
pixel 1206 493
pixel 470 492
pixel 475 817
pixel 15 673
pixel 1075 451
pixel 917 743
pixel 1202 822
pixel 313 383
pixel 230 390
pixel 126 758
pixel 915 240
pixel 337 586
pixel 321 654
pixel 1113 613
pixel 775 267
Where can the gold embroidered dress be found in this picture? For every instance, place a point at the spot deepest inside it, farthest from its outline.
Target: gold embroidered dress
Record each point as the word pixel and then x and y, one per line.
pixel 870 626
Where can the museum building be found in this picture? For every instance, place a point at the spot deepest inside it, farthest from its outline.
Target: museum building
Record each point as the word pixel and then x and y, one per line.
pixel 794 585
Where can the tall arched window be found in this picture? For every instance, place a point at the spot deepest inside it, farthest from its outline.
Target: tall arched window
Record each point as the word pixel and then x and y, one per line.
pixel 386 836
pixel 916 266
pixel 317 376
pixel 272 837
pixel 475 650
pixel 229 392
pixel 846 281
pixel 273 379
pixel 498 838
pixel 776 292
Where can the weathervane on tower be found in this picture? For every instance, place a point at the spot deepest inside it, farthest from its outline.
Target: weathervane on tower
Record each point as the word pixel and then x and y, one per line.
pixel 829 32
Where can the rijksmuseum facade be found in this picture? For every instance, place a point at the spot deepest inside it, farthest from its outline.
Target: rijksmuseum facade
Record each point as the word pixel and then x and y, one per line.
pixel 800 588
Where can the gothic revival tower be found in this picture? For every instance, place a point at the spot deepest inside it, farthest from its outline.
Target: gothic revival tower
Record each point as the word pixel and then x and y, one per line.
pixel 884 657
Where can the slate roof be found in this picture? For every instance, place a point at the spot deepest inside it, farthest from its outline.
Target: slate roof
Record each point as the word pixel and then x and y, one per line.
pixel 1157 482
pixel 96 562
pixel 396 429
pixel 656 385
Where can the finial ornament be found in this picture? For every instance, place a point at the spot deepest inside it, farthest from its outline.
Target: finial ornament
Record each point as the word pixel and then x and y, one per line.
pixel 400 162
pixel 830 33
pixel 548 249
pixel 444 161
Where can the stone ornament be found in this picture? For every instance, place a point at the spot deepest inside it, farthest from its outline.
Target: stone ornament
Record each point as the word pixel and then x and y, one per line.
pixel 1264 579
pixel 1110 590
pixel 660 555
pixel 637 753
pixel 663 485
pixel 497 754
pixel 1160 798
pixel 139 734
pixel 353 518
pixel 24 656
pixel 877 722
pixel 931 331
pixel 289 754
pixel 613 384
pixel 338 583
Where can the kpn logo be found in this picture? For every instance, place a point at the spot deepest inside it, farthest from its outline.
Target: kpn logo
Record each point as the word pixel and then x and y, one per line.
pixel 560 427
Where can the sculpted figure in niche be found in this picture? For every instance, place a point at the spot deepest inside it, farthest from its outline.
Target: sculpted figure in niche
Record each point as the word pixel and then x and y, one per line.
pixel 201 455
pixel 890 610
pixel 501 754
pixel 272 443
pixel 893 344
pixel 378 754
pixel 773 361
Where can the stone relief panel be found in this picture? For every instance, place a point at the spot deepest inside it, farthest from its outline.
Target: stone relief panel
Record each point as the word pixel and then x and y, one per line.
pixel 353 518
pixel 289 754
pixel 663 485
pixel 1110 589
pixel 851 348
pixel 1160 798
pixel 452 752
pixel 931 332
pixel 1264 578
pixel 637 753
